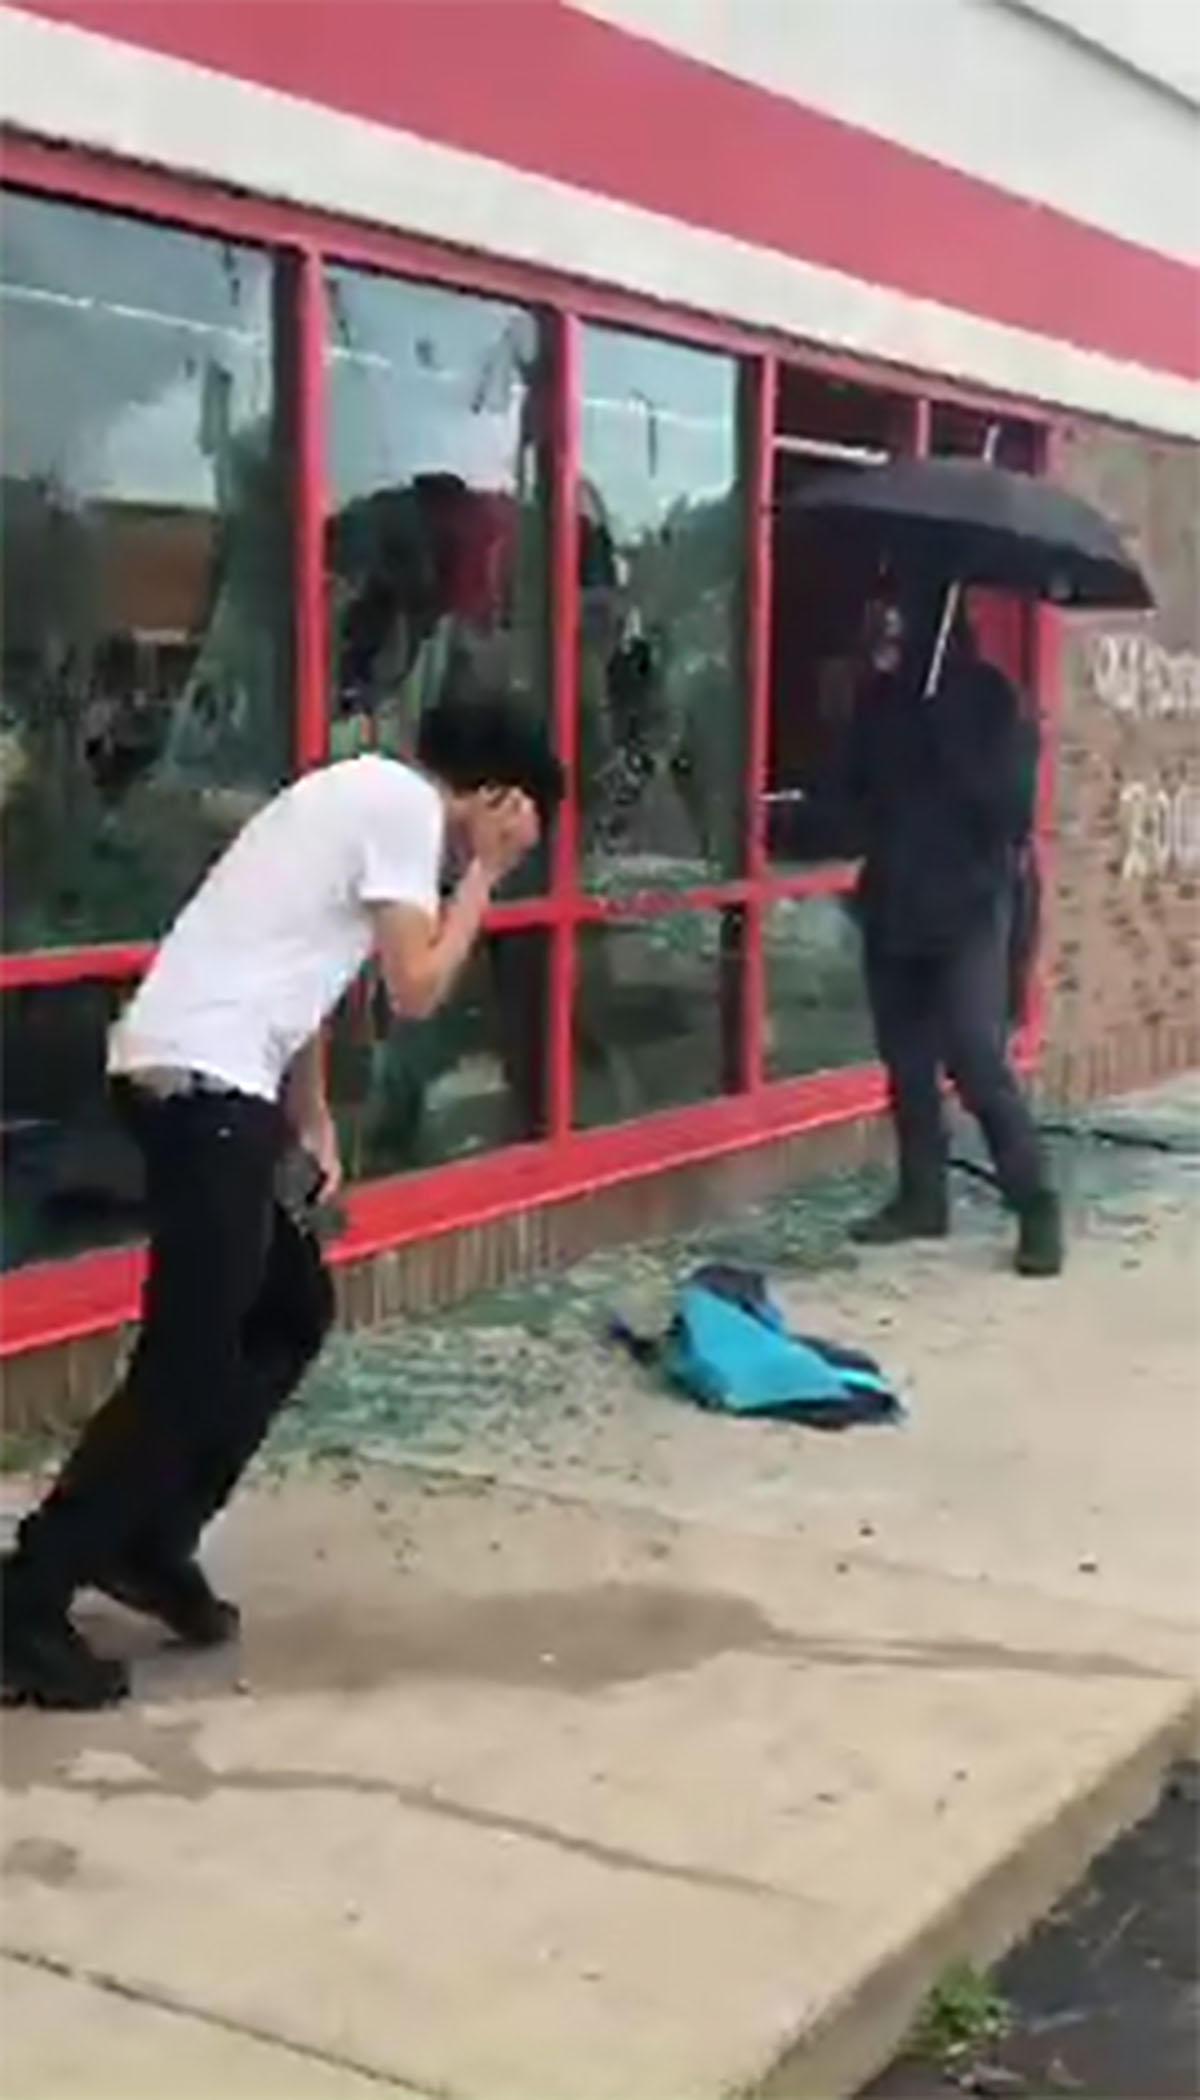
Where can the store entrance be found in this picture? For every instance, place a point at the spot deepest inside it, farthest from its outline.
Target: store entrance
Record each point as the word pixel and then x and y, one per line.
pixel 821 583
pixel 819 588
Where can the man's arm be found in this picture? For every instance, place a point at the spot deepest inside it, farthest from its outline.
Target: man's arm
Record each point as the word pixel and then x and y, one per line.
pixel 420 957
pixel 306 1106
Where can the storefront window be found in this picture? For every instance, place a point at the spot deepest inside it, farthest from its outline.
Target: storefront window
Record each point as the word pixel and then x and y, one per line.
pixel 144 702
pixel 437 541
pixel 817 1016
pixel 974 433
pixel 662 698
pixel 657 1010
pixel 471 1078
pixel 70 1177
pixel 149 699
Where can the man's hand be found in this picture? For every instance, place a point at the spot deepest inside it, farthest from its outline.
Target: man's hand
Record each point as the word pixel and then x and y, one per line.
pixel 319 1138
pixel 307 1111
pixel 421 959
pixel 502 829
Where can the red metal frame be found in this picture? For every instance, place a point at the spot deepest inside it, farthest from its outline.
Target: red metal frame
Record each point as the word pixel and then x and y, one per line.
pixel 56 1301
pixel 117 963
pixel 759 426
pixel 306 413
pixel 79 176
pixel 564 691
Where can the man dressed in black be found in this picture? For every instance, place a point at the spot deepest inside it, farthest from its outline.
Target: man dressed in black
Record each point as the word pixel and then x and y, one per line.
pixel 943 788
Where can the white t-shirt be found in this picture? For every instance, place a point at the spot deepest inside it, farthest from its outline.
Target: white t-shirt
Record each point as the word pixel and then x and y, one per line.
pixel 280 926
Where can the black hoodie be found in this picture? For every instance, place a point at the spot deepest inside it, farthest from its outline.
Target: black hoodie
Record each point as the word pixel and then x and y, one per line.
pixel 943 790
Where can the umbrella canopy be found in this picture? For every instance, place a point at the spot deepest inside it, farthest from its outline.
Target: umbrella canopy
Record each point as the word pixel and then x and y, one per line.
pixel 978 524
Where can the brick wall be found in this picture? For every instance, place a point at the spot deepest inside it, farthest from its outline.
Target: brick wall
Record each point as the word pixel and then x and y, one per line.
pixel 1123 932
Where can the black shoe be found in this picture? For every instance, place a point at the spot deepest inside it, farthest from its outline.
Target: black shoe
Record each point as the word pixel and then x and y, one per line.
pixel 1040 1249
pixel 179 1594
pixel 903 1218
pixel 45 1661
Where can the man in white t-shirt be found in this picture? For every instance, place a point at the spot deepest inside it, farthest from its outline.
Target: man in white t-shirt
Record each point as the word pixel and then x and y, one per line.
pixel 218 1073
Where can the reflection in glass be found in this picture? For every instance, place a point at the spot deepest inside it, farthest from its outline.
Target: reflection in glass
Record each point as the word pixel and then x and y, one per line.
pixel 662 699
pixel 471 1078
pixel 437 544
pixel 817 1016
pixel 657 1007
pixel 144 700
pixel 71 1179
pixel 437 408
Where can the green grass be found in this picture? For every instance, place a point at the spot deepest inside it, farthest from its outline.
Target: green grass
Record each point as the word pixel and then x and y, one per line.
pixel 963 2015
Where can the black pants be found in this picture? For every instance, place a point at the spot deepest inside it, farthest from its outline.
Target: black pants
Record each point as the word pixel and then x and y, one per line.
pixel 948 1012
pixel 237 1304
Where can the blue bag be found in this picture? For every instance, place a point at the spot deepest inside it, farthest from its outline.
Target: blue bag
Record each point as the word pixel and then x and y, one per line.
pixel 729 1348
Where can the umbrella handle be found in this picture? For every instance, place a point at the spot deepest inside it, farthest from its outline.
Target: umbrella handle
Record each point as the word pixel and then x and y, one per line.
pixel 955 590
pixel 937 660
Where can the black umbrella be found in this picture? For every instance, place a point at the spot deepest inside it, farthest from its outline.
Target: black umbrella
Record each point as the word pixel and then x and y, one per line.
pixel 974 523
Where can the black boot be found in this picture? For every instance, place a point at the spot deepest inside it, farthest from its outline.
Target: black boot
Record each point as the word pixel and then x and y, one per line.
pixel 1040 1250
pixel 908 1215
pixel 45 1660
pixel 179 1594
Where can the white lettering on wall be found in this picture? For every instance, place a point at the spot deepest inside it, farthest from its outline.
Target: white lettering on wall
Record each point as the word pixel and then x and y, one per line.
pixel 1135 676
pixel 1160 830
pixel 1138 679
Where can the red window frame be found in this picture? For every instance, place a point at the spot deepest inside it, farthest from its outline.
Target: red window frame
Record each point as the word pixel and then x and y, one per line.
pixel 52 1302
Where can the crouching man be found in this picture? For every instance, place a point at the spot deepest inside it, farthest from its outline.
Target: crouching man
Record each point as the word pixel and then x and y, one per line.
pixel 217 1072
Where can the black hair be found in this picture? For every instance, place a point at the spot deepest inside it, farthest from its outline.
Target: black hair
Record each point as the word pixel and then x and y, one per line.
pixel 486 741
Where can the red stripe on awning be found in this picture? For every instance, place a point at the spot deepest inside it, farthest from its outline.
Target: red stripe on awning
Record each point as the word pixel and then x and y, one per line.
pixel 545 89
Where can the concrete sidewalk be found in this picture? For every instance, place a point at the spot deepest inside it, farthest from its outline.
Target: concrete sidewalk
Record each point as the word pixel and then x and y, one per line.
pixel 648 1753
